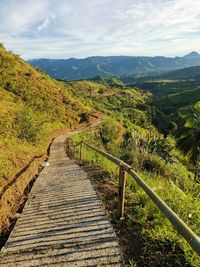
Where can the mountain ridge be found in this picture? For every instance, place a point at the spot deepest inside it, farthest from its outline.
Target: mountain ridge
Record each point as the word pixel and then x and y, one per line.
pixel 86 68
pixel 193 53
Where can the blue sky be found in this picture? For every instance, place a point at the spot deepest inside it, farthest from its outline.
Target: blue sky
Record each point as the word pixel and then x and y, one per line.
pixel 81 28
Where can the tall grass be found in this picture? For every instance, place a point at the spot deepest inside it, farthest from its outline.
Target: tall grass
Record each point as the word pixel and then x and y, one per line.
pixel 33 109
pixel 155 228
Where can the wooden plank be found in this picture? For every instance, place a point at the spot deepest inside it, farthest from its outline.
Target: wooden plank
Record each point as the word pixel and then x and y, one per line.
pixel 121 191
pixel 81 152
pixel 63 222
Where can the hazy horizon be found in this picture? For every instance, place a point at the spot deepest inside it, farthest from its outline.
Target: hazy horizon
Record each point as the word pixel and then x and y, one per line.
pixel 80 29
pixel 109 56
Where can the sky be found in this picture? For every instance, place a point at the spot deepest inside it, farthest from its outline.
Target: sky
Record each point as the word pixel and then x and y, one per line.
pixel 82 28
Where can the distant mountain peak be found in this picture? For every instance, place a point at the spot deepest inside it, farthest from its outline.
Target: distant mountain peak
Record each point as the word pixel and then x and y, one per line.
pixel 86 68
pixel 193 54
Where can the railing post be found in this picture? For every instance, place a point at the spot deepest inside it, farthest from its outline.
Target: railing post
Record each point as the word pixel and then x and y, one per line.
pixel 121 191
pixel 81 154
pixel 74 152
pixel 68 149
pixel 195 176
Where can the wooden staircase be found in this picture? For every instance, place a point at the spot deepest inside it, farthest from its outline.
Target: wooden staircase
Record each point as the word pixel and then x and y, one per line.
pixel 63 222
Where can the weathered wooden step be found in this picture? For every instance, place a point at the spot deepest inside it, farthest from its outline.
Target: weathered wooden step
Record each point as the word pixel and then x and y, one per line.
pixel 63 222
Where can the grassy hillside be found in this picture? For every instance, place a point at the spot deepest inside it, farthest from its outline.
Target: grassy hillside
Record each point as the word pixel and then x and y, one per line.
pixel 111 81
pixel 165 87
pixel 170 179
pixel 192 74
pixel 128 133
pixel 173 102
pixel 33 107
pixel 154 81
pixel 166 107
pixel 170 98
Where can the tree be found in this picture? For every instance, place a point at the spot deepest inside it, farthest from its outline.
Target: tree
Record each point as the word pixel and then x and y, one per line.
pixel 189 134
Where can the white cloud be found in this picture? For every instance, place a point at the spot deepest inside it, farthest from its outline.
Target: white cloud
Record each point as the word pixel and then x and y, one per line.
pixel 18 16
pixel 43 25
pixel 48 28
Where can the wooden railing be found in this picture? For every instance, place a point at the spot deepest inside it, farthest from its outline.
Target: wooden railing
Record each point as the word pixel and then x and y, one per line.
pixel 196 174
pixel 183 229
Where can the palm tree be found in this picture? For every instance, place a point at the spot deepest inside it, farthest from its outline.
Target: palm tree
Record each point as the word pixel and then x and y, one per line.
pixel 189 134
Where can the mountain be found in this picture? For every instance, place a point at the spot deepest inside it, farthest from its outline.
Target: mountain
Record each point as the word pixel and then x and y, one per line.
pixel 192 73
pixel 193 54
pixel 76 69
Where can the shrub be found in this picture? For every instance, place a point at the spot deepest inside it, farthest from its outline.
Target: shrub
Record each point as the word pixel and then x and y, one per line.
pixel 27 126
pixel 101 91
pixel 108 132
pixel 84 117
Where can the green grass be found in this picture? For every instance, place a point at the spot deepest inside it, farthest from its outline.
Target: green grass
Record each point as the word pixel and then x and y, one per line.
pixel 155 228
pixel 33 109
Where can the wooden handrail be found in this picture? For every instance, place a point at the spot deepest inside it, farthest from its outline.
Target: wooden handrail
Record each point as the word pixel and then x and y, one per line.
pixel 182 228
pixel 78 144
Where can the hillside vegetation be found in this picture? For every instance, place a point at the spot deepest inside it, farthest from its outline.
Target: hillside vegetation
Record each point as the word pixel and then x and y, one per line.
pixel 173 94
pixel 165 87
pixel 173 102
pixel 139 127
pixel 129 134
pixel 33 107
pixel 168 102
pixel 192 74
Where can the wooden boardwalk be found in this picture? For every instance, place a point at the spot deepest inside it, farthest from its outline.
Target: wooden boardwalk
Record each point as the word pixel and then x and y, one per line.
pixel 63 222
